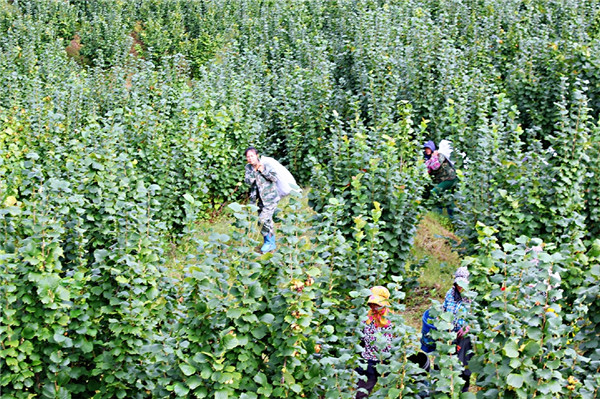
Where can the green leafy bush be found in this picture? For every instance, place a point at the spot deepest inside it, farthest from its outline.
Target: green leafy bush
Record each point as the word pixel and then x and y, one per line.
pixel 122 123
pixel 373 172
pixel 530 340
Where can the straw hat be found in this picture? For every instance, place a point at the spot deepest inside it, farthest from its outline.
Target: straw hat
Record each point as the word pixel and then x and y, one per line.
pixel 379 296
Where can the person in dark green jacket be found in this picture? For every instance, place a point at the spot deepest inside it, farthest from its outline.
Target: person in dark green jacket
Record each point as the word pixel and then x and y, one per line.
pixel 441 170
pixel 262 180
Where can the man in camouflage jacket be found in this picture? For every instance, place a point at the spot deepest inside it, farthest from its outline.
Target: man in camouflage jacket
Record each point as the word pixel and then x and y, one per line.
pixel 262 180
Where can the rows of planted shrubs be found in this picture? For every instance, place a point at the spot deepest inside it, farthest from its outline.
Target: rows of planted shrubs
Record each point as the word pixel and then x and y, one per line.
pixel 122 123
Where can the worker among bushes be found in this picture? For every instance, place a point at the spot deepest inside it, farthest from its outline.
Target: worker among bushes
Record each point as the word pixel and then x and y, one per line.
pixel 459 307
pixel 441 169
pixel 375 326
pixel 262 179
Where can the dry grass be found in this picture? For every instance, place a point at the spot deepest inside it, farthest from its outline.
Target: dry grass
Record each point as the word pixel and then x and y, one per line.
pixel 432 237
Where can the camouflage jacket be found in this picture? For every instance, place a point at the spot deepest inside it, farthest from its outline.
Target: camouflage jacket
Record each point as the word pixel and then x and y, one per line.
pixel 263 185
pixel 444 172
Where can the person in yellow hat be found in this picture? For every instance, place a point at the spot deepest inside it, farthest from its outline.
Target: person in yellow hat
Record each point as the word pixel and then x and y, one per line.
pixel 376 325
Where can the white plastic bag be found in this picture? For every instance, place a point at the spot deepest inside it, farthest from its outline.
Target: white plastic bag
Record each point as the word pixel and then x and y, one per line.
pixel 285 181
pixel 445 148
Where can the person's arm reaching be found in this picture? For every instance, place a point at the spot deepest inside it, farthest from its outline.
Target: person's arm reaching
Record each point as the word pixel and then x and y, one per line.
pixel 436 161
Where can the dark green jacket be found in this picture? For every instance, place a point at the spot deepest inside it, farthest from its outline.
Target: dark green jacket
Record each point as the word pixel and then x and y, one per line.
pixel 444 172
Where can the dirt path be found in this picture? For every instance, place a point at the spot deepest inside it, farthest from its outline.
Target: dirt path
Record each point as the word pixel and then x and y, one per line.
pixel 433 247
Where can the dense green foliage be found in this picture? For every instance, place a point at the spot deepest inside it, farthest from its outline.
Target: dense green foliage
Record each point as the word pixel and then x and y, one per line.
pixel 373 170
pixel 123 122
pixel 535 338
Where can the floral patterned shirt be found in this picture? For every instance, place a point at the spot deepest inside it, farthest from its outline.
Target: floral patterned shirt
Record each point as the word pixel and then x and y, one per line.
pixel 432 164
pixel 371 335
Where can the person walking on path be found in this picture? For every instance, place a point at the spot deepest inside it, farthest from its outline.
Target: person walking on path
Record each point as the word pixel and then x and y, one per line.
pixel 376 327
pixel 459 307
pixel 441 170
pixel 262 179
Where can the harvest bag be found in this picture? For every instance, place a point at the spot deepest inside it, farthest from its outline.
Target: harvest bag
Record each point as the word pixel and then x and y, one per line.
pixel 285 181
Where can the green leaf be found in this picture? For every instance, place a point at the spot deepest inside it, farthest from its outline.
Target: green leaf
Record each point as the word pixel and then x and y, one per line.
pixel 510 349
pixel 222 394
pixel 234 313
pixel 48 391
pixel 266 257
pixel 87 347
pixel 266 391
pixel 534 333
pixel 289 378
pixel 515 380
pixel 260 379
pixel 28 333
pixel 206 372
pixel 230 341
pixel 100 254
pixel 121 280
pixel 235 207
pixel 313 272
pixel 194 382
pixel 532 349
pixel 180 389
pixel 187 369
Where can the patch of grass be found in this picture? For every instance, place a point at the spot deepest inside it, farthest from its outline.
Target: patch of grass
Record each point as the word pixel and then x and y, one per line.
pixel 433 248
pixel 222 224
pixel 434 242
pixel 187 246
pixel 180 252
pixel 441 219
pixel 417 301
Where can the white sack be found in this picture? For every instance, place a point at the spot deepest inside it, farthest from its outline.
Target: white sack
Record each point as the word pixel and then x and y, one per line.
pixel 445 148
pixel 285 180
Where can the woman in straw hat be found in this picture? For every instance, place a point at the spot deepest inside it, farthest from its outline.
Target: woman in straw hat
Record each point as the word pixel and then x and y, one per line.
pixel 377 327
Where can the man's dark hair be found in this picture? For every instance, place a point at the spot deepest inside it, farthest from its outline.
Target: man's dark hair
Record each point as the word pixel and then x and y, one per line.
pixel 251 149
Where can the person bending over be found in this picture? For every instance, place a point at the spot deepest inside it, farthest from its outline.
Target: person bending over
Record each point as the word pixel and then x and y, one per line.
pixel 442 172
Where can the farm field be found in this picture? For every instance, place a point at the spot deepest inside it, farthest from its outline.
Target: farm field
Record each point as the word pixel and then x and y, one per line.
pixel 128 260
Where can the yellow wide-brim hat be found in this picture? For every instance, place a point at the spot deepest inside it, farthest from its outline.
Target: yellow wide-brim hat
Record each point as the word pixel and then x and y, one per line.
pixel 379 296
